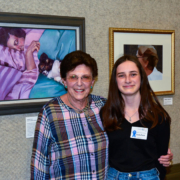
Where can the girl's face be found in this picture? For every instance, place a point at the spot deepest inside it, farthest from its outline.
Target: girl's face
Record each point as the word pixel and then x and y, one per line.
pixel 15 42
pixel 128 78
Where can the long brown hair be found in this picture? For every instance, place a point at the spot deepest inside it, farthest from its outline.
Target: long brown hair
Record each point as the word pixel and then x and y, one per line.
pixel 149 108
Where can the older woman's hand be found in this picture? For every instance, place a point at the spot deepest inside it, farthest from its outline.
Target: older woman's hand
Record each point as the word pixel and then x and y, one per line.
pixel 166 159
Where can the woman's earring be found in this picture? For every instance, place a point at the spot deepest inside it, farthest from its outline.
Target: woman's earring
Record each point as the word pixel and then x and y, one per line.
pixel 65 87
pixel 91 87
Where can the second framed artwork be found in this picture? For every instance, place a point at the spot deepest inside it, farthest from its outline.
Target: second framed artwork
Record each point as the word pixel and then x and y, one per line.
pixel 153 48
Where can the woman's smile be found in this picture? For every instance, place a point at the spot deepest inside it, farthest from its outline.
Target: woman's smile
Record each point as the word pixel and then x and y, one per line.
pixel 128 86
pixel 79 90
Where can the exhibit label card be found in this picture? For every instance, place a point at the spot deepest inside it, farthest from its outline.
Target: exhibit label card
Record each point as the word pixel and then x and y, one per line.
pixel 30 126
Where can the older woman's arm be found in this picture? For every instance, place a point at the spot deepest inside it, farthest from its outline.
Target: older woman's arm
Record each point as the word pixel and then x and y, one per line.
pixel 166 159
pixel 42 138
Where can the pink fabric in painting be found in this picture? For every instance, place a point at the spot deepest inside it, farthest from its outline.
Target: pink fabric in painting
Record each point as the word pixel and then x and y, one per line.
pixel 15 81
pixel 8 78
pixel 23 86
pixel 33 35
pixel 12 58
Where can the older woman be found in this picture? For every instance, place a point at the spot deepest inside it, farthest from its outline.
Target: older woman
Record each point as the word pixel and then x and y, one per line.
pixel 70 141
pixel 147 56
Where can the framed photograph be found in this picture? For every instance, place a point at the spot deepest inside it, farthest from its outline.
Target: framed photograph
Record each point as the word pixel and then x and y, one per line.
pixel 153 48
pixel 32 48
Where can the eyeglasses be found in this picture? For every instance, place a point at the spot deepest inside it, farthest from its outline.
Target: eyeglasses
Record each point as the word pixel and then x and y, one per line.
pixel 141 56
pixel 75 78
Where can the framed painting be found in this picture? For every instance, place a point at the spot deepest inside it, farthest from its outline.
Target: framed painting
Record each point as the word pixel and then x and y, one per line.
pixel 32 48
pixel 153 48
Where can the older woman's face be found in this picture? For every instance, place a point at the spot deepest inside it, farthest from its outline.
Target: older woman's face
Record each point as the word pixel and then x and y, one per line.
pixel 79 82
pixel 15 43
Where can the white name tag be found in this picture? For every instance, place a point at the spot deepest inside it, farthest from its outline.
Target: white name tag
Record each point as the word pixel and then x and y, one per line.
pixel 139 133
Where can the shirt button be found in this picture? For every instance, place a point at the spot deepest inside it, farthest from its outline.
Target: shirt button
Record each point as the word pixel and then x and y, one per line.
pixel 93 171
pixel 84 124
pixel 90 139
pixel 130 175
pixel 92 154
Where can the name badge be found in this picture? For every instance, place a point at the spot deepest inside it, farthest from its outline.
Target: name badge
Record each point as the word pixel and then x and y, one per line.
pixel 139 133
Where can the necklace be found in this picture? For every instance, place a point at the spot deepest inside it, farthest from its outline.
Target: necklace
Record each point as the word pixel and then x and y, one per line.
pixel 76 109
pixel 131 116
pixel 85 110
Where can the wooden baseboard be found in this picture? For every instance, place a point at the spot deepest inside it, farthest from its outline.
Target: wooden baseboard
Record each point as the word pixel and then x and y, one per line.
pixel 173 172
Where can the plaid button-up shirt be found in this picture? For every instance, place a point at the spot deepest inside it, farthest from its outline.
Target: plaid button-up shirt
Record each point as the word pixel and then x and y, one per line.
pixel 68 145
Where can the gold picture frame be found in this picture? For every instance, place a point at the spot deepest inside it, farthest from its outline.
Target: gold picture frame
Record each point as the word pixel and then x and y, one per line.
pixel 123 40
